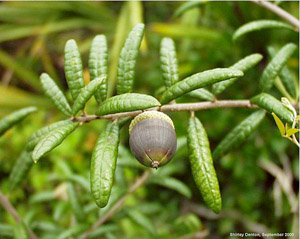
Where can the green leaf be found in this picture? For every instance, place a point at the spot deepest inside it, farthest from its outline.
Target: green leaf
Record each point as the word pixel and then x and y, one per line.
pixel 271 104
pixel 73 68
pixel 73 231
pixel 107 228
pixel 59 210
pixel 103 164
pixel 186 6
pixel 198 80
pixel 55 94
pixel 98 65
pixel 18 31
pixel 126 159
pixel 127 60
pixel 10 120
pixel 20 231
pixel 289 81
pixel 142 220
pixel 168 62
pixel 29 77
pixel 47 226
pixel 122 28
pixel 6 230
pixel 239 134
pixel 179 31
pixel 243 65
pixel 136 13
pixel 75 204
pixel 41 133
pixel 52 140
pixel 85 94
pixel 172 183
pixel 275 66
pixel 259 25
pixel 286 77
pixel 127 102
pixel 42 197
pixel 20 169
pixel 279 124
pixel 13 98
pixel 291 131
pixel 80 180
pixel 187 224
pixel 287 126
pixel 202 166
pixel 202 94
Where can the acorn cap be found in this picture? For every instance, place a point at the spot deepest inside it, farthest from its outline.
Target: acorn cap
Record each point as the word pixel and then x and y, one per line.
pixel 152 115
pixel 152 139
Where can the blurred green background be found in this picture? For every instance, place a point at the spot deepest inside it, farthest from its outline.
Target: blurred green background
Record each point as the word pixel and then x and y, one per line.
pixel 32 39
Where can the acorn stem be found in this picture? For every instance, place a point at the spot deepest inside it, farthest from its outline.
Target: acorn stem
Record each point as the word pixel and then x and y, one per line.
pixel 155 164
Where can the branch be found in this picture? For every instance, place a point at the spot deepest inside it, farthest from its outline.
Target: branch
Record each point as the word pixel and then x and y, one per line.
pixel 138 183
pixel 232 214
pixel 198 235
pixel 280 12
pixel 283 181
pixel 175 107
pixel 10 208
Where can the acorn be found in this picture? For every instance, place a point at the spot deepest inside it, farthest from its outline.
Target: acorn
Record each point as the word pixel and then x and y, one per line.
pixel 152 138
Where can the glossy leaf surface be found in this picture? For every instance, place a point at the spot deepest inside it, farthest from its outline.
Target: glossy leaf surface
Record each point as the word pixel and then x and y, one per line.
pixel 275 66
pixel 14 118
pixel 103 164
pixel 20 169
pixel 168 62
pixel 41 133
pixel 202 166
pixel 202 94
pixel 259 25
pixel 52 140
pixel 98 65
pixel 279 124
pixel 243 65
pixel 271 104
pixel 127 60
pixel 73 68
pixel 239 134
pixel 85 94
pixel 127 102
pixel 198 80
pixel 55 94
pixel 286 76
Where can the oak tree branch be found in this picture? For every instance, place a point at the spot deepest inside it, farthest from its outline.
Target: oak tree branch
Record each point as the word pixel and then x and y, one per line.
pixel 175 107
pixel 138 183
pixel 10 208
pixel 280 12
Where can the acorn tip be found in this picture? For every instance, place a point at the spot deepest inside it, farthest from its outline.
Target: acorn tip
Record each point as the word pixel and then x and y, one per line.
pixel 155 164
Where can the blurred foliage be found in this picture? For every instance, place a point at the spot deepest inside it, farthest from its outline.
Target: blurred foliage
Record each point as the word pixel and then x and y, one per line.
pixel 33 35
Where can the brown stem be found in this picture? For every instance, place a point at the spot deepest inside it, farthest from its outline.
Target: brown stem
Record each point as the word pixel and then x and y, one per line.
pixel 138 183
pixel 232 214
pixel 280 12
pixel 10 208
pixel 175 107
pixel 198 235
pixel 283 181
